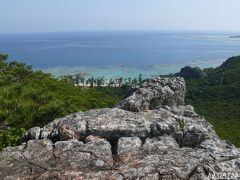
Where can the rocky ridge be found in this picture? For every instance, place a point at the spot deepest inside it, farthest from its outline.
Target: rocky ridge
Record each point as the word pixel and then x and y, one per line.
pixel 151 134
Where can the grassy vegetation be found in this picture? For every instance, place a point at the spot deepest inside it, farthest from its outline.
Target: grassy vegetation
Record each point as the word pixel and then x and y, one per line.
pixel 217 97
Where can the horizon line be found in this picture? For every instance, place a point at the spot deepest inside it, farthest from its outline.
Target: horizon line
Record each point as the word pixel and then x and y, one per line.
pixel 107 31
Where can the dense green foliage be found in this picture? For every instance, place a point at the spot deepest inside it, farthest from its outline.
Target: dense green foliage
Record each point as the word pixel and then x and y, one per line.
pixel 11 136
pixel 217 97
pixel 31 98
pixel 34 98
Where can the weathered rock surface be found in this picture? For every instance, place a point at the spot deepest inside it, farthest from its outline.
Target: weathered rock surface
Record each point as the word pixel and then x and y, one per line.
pixel 156 93
pixel 156 137
pixel 127 147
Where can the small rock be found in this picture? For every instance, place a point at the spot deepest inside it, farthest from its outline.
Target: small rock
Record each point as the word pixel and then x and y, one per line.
pixel 65 132
pixel 127 146
pixel 160 144
pixel 34 133
pixel 91 138
pixel 45 134
pixel 99 163
pixel 194 134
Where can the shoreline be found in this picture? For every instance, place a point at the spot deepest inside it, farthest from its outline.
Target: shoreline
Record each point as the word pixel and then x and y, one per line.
pixel 124 71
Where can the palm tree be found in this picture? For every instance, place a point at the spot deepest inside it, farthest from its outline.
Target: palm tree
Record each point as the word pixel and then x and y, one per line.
pixel 119 81
pixel 82 80
pixel 77 78
pixel 140 79
pixel 111 83
pixel 134 82
pixel 130 81
pixel 91 81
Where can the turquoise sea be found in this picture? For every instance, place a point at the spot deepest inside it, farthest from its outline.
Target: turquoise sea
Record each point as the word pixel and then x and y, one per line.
pixel 114 54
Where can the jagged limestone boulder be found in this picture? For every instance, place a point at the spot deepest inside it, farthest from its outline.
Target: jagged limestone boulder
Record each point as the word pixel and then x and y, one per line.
pixel 156 93
pixel 155 141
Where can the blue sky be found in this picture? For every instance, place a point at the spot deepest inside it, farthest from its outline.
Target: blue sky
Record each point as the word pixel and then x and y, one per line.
pixel 94 15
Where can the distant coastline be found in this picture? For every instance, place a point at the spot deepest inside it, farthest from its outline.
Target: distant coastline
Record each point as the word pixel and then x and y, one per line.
pixel 119 54
pixel 238 36
pixel 117 71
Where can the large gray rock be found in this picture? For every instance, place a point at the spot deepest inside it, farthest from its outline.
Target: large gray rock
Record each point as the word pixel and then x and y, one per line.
pixel 149 140
pixel 91 155
pixel 155 93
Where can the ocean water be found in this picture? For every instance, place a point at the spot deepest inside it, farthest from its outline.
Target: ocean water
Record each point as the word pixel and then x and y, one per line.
pixel 114 54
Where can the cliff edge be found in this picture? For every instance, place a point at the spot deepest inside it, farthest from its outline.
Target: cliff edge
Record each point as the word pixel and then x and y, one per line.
pixel 151 135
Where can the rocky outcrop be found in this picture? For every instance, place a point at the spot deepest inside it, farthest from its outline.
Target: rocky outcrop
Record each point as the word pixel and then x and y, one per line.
pixel 191 73
pixel 155 93
pixel 151 138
